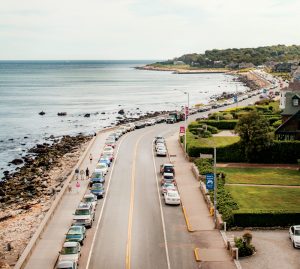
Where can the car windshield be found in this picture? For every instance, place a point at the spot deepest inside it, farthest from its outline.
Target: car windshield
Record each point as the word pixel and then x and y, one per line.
pixel 75 230
pixel 168 177
pixel 88 199
pixel 97 186
pixel 297 232
pixel 167 185
pixel 82 212
pixel 69 250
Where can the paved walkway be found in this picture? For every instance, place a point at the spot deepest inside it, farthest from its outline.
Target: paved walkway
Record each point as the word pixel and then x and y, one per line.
pixel 46 251
pixel 208 240
pixel 258 165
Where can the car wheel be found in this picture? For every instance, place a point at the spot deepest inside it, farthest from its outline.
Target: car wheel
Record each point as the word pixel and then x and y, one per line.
pixel 294 245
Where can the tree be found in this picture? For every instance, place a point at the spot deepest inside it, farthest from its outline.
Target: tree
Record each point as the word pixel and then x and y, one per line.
pixel 255 132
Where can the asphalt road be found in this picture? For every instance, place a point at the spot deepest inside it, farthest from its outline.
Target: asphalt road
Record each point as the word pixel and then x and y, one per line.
pixel 133 228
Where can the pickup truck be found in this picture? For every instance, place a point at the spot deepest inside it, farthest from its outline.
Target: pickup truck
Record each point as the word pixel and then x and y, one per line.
pixel 167 168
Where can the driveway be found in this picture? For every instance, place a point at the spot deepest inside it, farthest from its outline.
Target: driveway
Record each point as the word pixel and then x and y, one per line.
pixel 274 251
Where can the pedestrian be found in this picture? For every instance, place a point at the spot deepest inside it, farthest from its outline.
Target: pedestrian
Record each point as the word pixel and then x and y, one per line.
pixel 87 173
pixel 82 174
pixel 70 187
pixel 77 186
pixel 91 157
pixel 76 173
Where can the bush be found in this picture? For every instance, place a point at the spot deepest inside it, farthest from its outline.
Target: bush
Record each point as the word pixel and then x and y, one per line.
pixel 221 124
pixel 216 116
pixel 245 249
pixel 205 166
pixel 265 219
pixel 228 116
pixel 277 123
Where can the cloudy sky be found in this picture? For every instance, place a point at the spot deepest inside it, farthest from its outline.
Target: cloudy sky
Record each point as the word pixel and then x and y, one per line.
pixel 141 29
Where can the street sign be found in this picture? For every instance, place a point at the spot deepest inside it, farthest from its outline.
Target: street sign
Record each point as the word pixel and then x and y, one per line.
pixel 206 156
pixel 235 98
pixel 186 111
pixel 209 181
pixel 181 130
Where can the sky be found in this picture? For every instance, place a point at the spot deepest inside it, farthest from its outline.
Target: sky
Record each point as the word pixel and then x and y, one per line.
pixel 141 29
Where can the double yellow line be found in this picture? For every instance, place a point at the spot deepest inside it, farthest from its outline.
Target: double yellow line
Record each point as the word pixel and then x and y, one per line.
pixel 132 190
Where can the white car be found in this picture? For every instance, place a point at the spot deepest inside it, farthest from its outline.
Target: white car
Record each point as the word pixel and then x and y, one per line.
pixel 294 233
pixel 66 265
pixel 172 197
pixel 69 252
pixel 108 149
pixel 161 151
pixel 159 145
pixel 101 168
pixel 90 198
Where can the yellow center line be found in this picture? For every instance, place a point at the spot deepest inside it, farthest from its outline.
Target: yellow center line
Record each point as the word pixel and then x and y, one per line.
pixel 130 219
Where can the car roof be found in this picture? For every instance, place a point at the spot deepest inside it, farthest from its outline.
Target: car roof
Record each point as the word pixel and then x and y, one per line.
pixel 70 244
pixel 89 195
pixel 296 227
pixel 173 191
pixel 168 164
pixel 83 205
pixel 168 174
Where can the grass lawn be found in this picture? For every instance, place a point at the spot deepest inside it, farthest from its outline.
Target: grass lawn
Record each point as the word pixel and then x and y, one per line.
pixel 272 176
pixel 266 198
pixel 218 141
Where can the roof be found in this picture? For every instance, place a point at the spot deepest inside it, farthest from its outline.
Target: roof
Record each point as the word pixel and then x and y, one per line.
pixel 70 244
pixel 289 108
pixel 168 174
pixel 297 114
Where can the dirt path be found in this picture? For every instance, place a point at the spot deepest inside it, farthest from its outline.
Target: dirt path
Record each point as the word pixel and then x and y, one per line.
pixel 258 165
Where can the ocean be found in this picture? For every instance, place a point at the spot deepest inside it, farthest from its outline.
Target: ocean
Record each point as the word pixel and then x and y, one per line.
pixel 80 87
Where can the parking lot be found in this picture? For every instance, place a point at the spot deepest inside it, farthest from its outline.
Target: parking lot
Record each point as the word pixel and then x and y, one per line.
pixel 274 251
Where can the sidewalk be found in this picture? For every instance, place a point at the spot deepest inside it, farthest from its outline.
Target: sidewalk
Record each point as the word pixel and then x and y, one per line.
pixel 46 251
pixel 209 242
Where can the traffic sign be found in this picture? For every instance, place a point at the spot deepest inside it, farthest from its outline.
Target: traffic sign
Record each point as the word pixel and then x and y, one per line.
pixel 182 130
pixel 186 110
pixel 235 98
pixel 209 181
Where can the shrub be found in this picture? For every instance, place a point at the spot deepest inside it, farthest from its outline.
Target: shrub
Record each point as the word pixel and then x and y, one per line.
pixel 216 116
pixel 221 124
pixel 205 166
pixel 277 123
pixel 245 248
pixel 228 116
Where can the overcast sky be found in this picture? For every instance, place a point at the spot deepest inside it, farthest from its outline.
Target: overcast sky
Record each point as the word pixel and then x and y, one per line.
pixel 141 29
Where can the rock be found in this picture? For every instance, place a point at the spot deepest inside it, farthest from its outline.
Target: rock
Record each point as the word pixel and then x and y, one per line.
pixel 11 139
pixel 121 112
pixel 87 115
pixel 62 114
pixel 103 113
pixel 17 161
pixel 42 113
pixel 25 137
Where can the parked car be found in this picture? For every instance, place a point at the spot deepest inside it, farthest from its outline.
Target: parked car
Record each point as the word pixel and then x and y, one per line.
pixel 84 216
pixel 159 137
pixel 90 198
pixel 140 125
pixel 70 252
pixel 114 136
pixel 167 168
pixel 294 233
pixel 109 155
pixel 167 186
pixel 172 198
pixel 111 142
pixel 105 160
pixel 160 140
pixel 98 190
pixel 97 178
pixel 108 149
pixel 101 168
pixel 170 120
pixel 161 151
pixel 76 233
pixel 66 265
pixel 168 178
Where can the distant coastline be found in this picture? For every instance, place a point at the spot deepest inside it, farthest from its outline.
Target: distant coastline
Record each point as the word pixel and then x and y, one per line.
pixel 181 69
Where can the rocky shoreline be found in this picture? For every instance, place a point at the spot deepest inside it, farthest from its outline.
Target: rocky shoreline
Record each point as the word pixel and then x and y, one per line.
pixel 27 194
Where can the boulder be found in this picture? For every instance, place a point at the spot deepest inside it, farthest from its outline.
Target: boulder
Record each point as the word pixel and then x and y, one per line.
pixel 121 112
pixel 87 115
pixel 17 161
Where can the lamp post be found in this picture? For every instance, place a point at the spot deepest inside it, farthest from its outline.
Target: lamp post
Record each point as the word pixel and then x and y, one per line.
pixel 186 111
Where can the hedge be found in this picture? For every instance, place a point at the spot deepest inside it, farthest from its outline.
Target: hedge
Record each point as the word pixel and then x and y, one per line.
pixel 279 152
pixel 265 219
pixel 221 124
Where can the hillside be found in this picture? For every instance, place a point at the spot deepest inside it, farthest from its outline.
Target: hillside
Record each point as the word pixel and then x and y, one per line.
pixel 234 57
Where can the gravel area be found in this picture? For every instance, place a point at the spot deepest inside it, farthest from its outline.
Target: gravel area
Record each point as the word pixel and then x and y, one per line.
pixel 274 251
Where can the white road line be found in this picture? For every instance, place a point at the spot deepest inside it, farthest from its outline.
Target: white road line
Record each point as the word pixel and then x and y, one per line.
pixel 103 205
pixel 161 211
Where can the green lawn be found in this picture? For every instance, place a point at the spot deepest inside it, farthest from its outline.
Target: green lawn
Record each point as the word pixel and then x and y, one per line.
pixel 218 141
pixel 266 198
pixel 272 176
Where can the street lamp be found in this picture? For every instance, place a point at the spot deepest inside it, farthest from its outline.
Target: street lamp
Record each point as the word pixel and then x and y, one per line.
pixel 186 111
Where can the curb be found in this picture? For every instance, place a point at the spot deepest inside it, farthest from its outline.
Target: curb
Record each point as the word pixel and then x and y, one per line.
pixel 188 225
pixel 196 253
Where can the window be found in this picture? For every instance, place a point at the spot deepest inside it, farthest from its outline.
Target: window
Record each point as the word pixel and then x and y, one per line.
pixel 295 102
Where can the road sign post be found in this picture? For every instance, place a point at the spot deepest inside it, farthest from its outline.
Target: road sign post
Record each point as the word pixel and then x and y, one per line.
pixel 215 186
pixel 209 181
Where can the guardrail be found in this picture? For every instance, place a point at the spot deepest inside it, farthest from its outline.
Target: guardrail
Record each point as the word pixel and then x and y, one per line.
pixel 26 254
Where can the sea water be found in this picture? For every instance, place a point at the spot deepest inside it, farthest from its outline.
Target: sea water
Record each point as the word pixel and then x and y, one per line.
pixel 80 87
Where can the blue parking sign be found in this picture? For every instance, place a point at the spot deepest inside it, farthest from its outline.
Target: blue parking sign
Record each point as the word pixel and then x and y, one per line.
pixel 209 181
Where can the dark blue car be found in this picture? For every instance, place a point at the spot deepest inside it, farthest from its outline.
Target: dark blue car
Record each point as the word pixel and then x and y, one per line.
pixel 97 178
pixel 98 190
